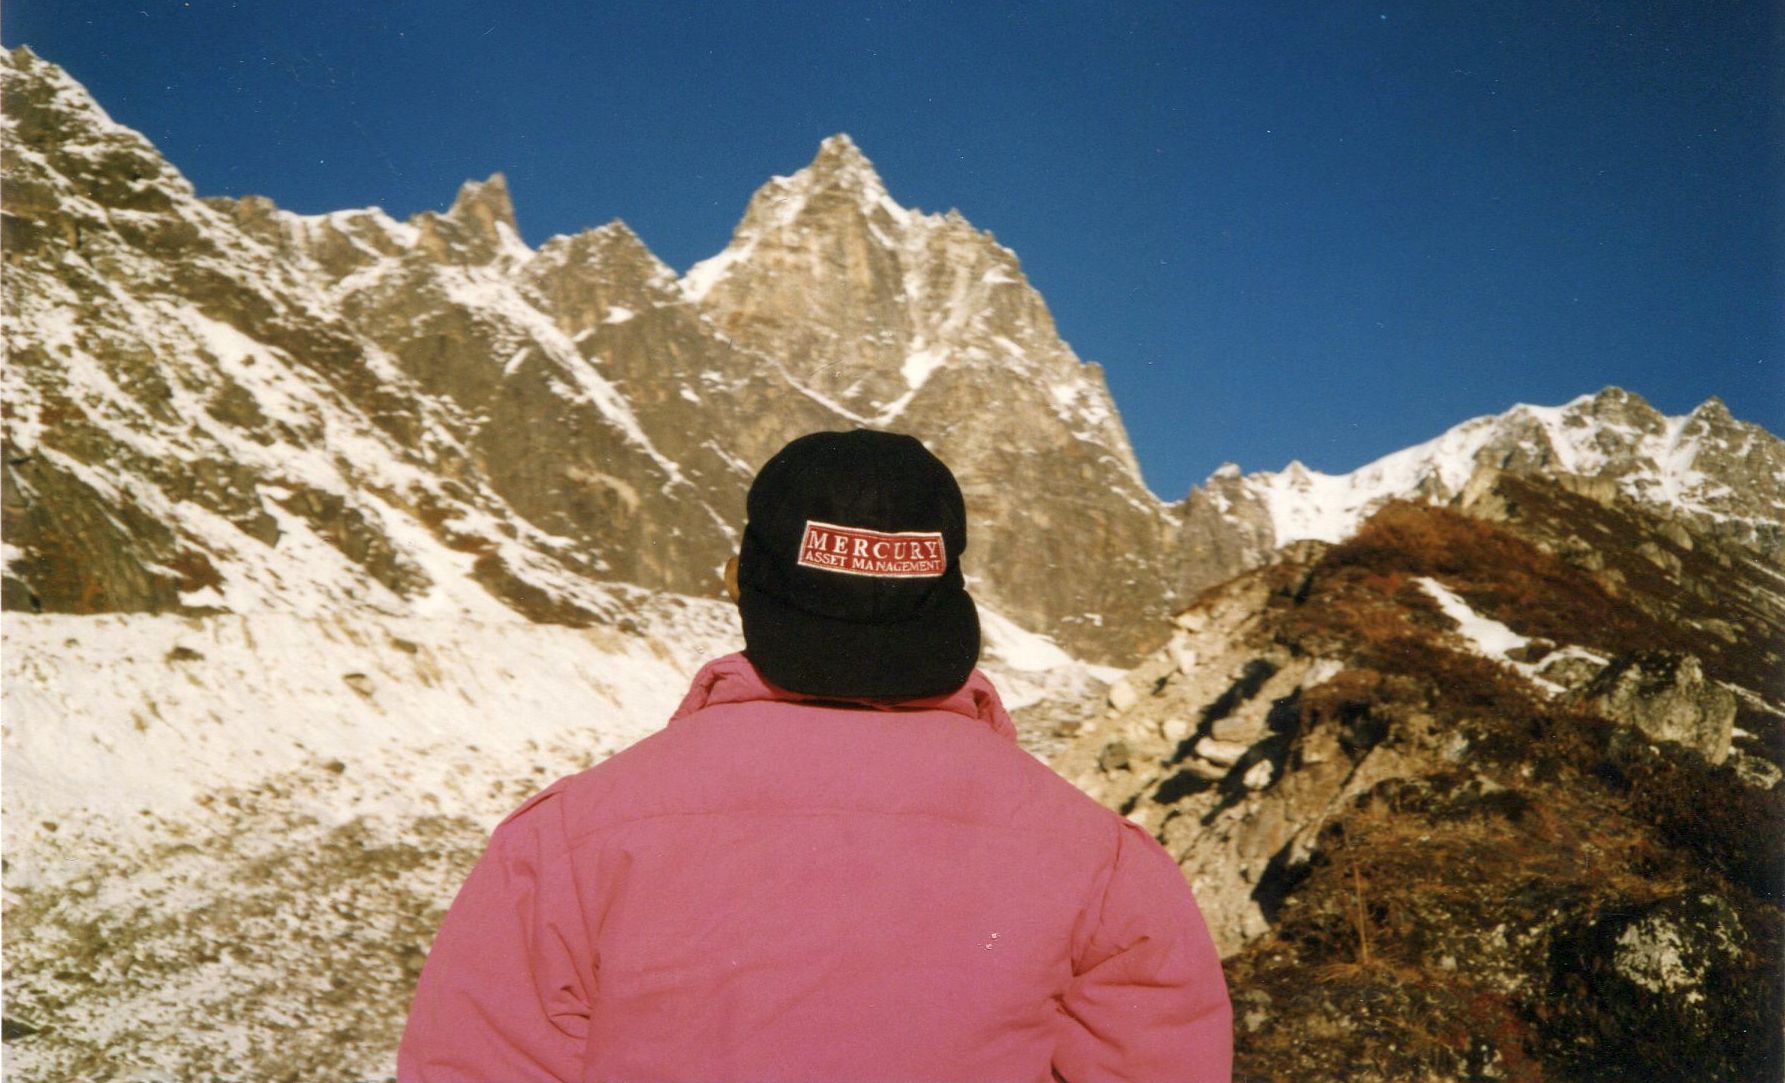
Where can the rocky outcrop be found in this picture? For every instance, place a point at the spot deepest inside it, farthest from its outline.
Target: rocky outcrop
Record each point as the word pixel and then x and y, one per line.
pixel 1653 986
pixel 1666 696
pixel 1196 747
pixel 1223 532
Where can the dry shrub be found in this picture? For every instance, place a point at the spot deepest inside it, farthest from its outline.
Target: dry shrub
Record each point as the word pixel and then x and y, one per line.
pixel 1707 810
pixel 1428 910
pixel 1499 574
pixel 1357 954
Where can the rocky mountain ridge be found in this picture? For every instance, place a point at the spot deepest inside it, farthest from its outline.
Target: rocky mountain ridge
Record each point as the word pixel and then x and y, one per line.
pixel 1504 775
pixel 543 424
pixel 216 404
pixel 1705 468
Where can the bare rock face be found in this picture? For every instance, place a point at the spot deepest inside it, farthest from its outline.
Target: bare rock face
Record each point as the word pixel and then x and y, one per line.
pixel 1205 745
pixel 1223 531
pixel 600 279
pixel 478 228
pixel 1666 696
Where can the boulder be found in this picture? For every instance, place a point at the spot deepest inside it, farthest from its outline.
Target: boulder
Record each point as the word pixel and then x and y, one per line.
pixel 1666 696
pixel 1657 991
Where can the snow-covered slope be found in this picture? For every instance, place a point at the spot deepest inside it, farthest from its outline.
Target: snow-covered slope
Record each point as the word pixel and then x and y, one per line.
pixel 112 716
pixel 1682 462
pixel 107 716
pixel 229 838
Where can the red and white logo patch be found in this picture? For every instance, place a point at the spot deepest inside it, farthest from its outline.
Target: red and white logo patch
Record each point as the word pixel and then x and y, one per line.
pixel 854 551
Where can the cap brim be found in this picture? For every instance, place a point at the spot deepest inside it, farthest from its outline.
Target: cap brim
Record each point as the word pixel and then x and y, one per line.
pixel 931 654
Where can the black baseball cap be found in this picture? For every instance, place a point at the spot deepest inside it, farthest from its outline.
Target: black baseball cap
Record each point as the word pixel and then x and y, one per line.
pixel 849 578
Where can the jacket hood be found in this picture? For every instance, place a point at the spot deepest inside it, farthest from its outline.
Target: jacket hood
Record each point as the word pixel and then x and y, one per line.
pixel 732 679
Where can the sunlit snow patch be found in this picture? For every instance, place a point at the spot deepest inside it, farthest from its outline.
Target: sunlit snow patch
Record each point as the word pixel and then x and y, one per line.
pixel 1489 636
pixel 1028 668
pixel 1494 640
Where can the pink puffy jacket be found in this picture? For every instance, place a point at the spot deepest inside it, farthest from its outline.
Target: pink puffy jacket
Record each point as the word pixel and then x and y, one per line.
pixel 773 888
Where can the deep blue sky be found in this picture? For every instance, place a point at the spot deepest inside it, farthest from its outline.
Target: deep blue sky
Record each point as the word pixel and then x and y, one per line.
pixel 1287 230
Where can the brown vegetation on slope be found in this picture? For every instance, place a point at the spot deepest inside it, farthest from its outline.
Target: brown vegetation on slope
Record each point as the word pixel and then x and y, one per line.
pixel 1484 918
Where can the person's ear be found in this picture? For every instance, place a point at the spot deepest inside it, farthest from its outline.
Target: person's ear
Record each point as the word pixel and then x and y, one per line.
pixel 731 578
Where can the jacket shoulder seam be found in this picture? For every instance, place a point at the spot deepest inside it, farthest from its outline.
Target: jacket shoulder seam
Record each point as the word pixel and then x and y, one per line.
pixel 578 837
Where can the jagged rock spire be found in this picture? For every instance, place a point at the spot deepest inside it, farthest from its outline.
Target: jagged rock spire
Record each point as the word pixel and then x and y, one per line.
pixel 478 228
pixel 484 203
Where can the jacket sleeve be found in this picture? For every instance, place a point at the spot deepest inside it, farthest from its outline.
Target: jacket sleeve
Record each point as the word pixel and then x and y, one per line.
pixel 1147 1000
pixel 505 992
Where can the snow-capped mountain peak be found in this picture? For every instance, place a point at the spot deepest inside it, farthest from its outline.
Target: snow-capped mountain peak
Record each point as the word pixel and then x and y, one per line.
pixel 1694 464
pixel 478 228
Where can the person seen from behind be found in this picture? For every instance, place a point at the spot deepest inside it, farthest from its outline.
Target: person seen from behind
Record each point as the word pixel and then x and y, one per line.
pixel 834 863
